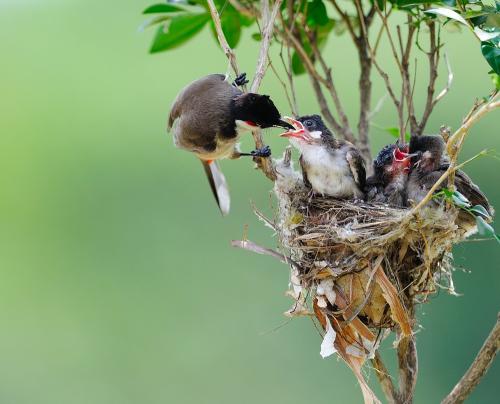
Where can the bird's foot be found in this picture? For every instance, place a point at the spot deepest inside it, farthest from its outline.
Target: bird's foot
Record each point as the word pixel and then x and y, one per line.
pixel 262 152
pixel 241 80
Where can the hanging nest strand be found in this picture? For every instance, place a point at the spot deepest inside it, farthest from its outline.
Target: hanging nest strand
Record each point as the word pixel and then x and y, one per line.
pixel 359 268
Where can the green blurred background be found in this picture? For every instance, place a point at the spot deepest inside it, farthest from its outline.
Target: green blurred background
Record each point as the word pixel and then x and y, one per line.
pixel 118 284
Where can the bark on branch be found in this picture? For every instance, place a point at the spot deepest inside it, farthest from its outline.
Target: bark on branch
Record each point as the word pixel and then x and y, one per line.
pixel 478 368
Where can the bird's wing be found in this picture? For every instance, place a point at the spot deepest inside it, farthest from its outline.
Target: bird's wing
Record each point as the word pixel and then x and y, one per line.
pixel 175 112
pixel 357 166
pixel 466 186
pixel 471 191
pixel 303 166
pixel 373 188
pixel 218 185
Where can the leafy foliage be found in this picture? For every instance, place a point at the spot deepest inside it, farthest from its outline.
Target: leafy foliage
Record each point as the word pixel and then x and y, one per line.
pixel 181 20
pixel 478 211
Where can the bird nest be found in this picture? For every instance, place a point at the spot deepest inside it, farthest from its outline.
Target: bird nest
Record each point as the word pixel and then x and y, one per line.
pixel 359 268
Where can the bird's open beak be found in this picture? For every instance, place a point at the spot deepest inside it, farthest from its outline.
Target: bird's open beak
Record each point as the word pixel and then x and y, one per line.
pixel 403 157
pixel 297 129
pixel 284 124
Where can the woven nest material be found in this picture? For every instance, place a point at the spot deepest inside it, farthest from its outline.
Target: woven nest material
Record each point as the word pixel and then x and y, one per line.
pixel 360 268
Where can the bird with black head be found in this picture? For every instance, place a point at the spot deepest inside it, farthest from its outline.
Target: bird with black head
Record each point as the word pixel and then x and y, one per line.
pixel 390 176
pixel 207 118
pixel 330 166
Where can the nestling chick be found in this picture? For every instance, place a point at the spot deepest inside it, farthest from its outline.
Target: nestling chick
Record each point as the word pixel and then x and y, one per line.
pixel 208 117
pixel 428 166
pixel 330 166
pixel 388 183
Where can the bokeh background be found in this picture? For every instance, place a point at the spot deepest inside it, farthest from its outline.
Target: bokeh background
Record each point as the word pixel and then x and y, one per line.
pixel 117 281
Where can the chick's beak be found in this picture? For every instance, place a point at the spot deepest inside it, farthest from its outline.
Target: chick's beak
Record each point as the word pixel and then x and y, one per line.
pixel 403 158
pixel 297 129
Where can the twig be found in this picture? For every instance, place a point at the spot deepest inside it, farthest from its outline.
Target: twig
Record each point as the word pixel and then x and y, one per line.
pixel 332 90
pixel 265 164
pixel 222 38
pixel 315 77
pixel 384 378
pixel 268 24
pixel 408 368
pixel 244 10
pixel 285 89
pixel 251 246
pixel 478 368
pixel 445 90
pixel 378 107
pixel 364 82
pixel 347 21
pixel 433 57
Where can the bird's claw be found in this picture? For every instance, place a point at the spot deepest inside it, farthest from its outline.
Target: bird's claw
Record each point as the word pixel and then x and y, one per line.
pixel 262 152
pixel 241 80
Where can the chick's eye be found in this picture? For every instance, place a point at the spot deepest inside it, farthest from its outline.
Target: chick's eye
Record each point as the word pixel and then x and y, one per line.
pixel 308 123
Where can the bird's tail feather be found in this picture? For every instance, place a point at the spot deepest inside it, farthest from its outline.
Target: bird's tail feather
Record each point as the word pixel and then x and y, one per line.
pixel 218 184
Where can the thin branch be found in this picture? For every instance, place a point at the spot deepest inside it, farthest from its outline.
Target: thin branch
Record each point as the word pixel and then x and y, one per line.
pixel 244 10
pixel 478 368
pixel 378 107
pixel 285 89
pixel 316 78
pixel 323 105
pixel 268 22
pixel 408 368
pixel 384 378
pixel 364 82
pixel 346 19
pixel 445 90
pixel 433 56
pixel 405 73
pixel 222 38
pixel 332 89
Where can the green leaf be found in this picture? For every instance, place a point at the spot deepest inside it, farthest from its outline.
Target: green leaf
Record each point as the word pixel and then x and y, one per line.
pixel 460 200
pixel 257 36
pixel 162 8
pixel 181 29
pixel 297 65
pixel 496 80
pixel 446 12
pixel 480 210
pixel 485 229
pixel 394 132
pixel 316 13
pixel 231 26
pixel 491 53
pixel 154 21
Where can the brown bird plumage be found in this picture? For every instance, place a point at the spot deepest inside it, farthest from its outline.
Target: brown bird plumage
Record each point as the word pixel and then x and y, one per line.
pixel 207 119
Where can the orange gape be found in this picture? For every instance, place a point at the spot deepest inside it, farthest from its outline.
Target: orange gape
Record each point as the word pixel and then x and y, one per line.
pixel 209 161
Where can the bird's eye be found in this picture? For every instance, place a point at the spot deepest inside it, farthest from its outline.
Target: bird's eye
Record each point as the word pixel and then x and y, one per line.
pixel 309 123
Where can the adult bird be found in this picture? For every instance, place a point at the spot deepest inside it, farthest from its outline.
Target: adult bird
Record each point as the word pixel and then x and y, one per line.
pixel 428 166
pixel 207 118
pixel 330 166
pixel 390 176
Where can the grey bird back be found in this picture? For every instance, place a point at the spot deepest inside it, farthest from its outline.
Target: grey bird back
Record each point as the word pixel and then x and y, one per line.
pixel 198 109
